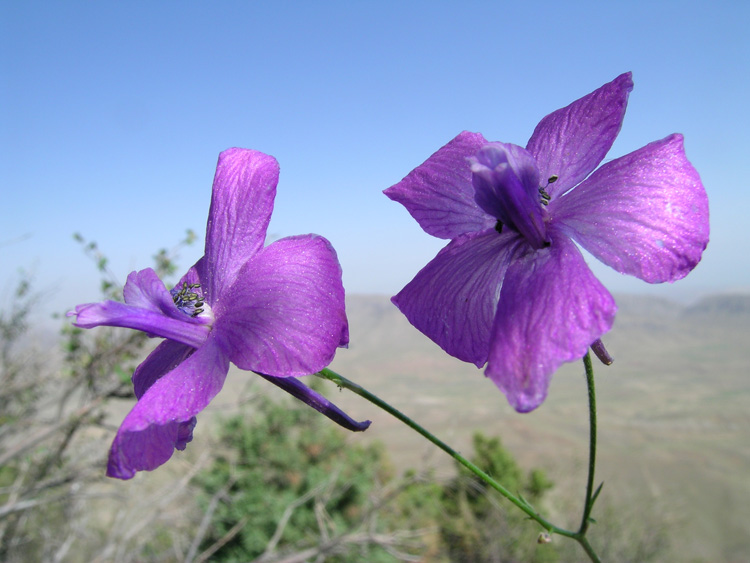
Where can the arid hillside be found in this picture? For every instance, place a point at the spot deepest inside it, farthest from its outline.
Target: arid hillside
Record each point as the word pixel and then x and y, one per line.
pixel 674 412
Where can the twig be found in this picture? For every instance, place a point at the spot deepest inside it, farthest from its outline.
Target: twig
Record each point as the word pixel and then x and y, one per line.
pixel 223 541
pixel 206 521
pixel 288 511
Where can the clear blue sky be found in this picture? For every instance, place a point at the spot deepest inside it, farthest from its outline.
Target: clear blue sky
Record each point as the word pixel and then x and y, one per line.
pixel 112 115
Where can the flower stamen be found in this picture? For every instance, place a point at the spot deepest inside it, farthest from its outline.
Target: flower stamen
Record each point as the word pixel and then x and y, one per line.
pixel 543 189
pixel 188 300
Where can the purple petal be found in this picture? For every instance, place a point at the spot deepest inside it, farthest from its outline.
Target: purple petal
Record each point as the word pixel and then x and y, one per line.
pixel 149 308
pixel 193 275
pixel 113 313
pixel 165 357
pixel 644 214
pixel 506 182
pixel 572 141
pixel 144 289
pixel 300 391
pixel 551 309
pixel 439 193
pixel 185 433
pixel 241 205
pixel 162 419
pixel 285 313
pixel 453 299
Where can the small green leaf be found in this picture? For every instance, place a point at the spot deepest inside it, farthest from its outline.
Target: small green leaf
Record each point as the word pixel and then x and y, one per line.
pixel 596 493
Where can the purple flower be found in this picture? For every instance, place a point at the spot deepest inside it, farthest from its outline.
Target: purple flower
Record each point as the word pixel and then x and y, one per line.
pixel 277 310
pixel 511 289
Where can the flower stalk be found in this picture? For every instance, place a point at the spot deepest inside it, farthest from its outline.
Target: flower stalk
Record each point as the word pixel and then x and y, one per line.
pixel 590 494
pixel 520 502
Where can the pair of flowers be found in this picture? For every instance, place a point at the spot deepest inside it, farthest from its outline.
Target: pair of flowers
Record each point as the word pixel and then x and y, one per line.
pixel 510 290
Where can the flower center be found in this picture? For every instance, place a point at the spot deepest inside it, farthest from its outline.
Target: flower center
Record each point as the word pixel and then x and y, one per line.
pixel 187 299
pixel 506 185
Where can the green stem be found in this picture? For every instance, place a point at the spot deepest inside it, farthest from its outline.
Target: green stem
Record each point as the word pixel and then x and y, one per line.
pixel 591 496
pixel 341 381
pixel 584 543
pixel 579 536
pixel 589 504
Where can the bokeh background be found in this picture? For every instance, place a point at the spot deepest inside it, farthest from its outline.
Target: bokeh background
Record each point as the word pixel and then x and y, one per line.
pixel 112 115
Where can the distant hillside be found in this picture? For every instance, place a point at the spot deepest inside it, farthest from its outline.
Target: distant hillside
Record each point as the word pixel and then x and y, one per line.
pixel 674 413
pixel 674 410
pixel 721 308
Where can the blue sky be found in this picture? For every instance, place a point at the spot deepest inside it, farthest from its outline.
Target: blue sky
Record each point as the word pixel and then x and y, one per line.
pixel 112 115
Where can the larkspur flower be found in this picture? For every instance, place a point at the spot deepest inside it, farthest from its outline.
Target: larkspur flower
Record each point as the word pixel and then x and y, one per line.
pixel 277 310
pixel 511 289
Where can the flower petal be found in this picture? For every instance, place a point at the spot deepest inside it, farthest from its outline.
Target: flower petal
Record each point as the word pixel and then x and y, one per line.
pixel 162 419
pixel 644 214
pixel 570 142
pixel 165 357
pixel 551 309
pixel 193 275
pixel 144 289
pixel 241 205
pixel 148 307
pixel 300 391
pixel 439 194
pixel 114 313
pixel 285 314
pixel 453 298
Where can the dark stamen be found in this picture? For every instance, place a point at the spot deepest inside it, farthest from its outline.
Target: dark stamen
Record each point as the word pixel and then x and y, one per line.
pixel 544 195
pixel 187 300
pixel 543 189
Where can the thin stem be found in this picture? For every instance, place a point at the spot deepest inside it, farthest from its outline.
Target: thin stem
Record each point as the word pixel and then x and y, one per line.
pixel 589 504
pixel 580 535
pixel 584 543
pixel 591 496
pixel 341 381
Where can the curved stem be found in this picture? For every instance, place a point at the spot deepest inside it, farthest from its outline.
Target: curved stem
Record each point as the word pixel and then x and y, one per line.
pixel 580 535
pixel 341 381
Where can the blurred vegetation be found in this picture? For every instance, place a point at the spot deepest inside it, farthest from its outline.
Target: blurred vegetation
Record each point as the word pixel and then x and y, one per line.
pixel 53 438
pixel 478 524
pixel 281 482
pixel 285 483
